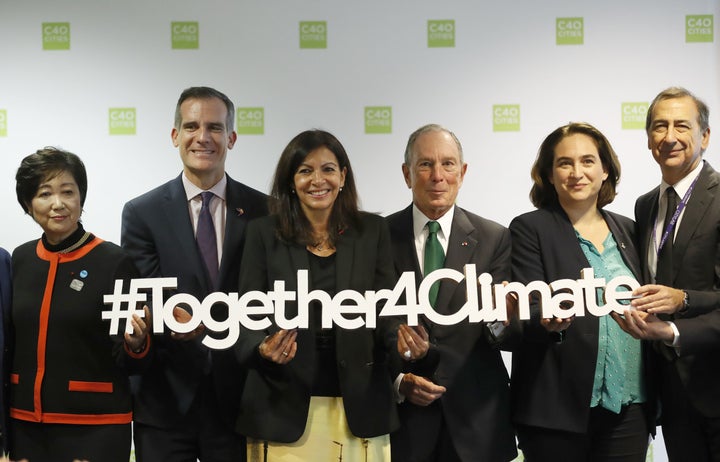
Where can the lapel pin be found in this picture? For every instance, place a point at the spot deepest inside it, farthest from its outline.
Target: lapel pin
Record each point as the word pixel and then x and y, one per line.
pixel 240 211
pixel 464 243
pixel 76 284
pixel 622 245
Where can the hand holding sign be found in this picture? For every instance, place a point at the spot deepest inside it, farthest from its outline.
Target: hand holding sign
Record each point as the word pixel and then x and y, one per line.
pixel 413 342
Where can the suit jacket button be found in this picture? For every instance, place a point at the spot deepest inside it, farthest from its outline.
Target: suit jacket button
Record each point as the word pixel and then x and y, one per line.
pixel 342 363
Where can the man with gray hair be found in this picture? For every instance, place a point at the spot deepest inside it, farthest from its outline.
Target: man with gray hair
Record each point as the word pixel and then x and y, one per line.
pixel 679 232
pixel 456 399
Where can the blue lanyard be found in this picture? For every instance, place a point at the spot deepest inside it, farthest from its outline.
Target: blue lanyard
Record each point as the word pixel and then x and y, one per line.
pixel 669 227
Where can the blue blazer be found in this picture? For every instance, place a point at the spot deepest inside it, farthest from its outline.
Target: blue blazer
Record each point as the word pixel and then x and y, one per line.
pixel 5 342
pixel 696 269
pixel 157 233
pixel 462 357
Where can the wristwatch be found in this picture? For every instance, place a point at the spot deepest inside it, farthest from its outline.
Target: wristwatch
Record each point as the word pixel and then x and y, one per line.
pixel 685 303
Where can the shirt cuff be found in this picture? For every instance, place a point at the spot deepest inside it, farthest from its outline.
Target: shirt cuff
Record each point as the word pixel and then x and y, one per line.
pixel 399 397
pixel 676 338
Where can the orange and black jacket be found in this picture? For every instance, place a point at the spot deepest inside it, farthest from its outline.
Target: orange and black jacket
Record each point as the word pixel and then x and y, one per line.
pixel 66 368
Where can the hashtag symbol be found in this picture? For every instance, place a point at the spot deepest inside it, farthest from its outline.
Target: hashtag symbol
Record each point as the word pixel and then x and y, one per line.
pixel 117 299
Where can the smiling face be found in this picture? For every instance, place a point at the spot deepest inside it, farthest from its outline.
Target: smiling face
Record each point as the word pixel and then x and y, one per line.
pixel 203 140
pixel 56 207
pixel 317 182
pixel 435 173
pixel 675 137
pixel 578 172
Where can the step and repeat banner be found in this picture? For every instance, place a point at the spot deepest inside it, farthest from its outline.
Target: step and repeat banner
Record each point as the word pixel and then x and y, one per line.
pixel 101 79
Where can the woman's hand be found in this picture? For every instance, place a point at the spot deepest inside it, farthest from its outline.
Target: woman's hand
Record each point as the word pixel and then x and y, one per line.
pixel 279 347
pixel 413 342
pixel 556 324
pixel 137 340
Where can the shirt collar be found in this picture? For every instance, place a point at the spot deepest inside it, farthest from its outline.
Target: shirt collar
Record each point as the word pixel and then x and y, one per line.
pixel 191 191
pixel 683 185
pixel 420 220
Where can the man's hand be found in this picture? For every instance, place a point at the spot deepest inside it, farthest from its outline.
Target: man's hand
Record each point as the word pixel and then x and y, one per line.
pixel 419 390
pixel 644 326
pixel 413 342
pixel 279 347
pixel 658 299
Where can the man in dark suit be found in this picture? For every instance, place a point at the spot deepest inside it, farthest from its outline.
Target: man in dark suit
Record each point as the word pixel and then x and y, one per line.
pixel 183 405
pixel 5 306
pixel 455 401
pixel 681 253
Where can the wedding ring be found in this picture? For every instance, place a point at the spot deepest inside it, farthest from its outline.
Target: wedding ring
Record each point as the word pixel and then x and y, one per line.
pixel 407 354
pixel 285 353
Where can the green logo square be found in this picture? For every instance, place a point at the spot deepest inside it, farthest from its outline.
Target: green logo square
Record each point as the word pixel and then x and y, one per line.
pixel 3 122
pixel 441 33
pixel 185 35
pixel 313 34
pixel 506 117
pixel 633 115
pixel 56 35
pixel 250 120
pixel 122 120
pixel 569 31
pixel 378 119
pixel 699 28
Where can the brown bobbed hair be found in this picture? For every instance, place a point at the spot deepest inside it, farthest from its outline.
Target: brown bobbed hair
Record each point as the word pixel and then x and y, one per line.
pixel 543 192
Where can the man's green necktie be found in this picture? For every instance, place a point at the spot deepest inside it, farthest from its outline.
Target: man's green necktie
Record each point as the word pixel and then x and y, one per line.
pixel 434 257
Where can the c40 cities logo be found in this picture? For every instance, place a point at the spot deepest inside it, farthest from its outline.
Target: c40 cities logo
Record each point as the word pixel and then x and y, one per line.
pixel 441 33
pixel 506 117
pixel 56 35
pixel 3 122
pixel 185 35
pixel 122 120
pixel 378 119
pixel 313 34
pixel 699 28
pixel 569 31
pixel 250 121
pixel 633 116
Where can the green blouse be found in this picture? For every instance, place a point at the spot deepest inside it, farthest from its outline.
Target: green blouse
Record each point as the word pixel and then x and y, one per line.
pixel 618 377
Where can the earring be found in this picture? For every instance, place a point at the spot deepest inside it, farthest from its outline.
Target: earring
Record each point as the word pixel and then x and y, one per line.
pixel 341 188
pixel 292 191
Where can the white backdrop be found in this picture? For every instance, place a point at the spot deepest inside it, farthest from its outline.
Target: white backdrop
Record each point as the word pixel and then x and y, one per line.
pixel 377 54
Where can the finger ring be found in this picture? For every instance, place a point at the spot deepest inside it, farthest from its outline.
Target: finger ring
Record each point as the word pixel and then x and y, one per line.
pixel 285 353
pixel 407 354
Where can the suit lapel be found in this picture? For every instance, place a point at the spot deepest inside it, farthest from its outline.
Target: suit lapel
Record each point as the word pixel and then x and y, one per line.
pixel 178 218
pixel 405 254
pixel 646 213
pixel 461 247
pixel 345 258
pixel 624 243
pixel 235 222
pixel 696 208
